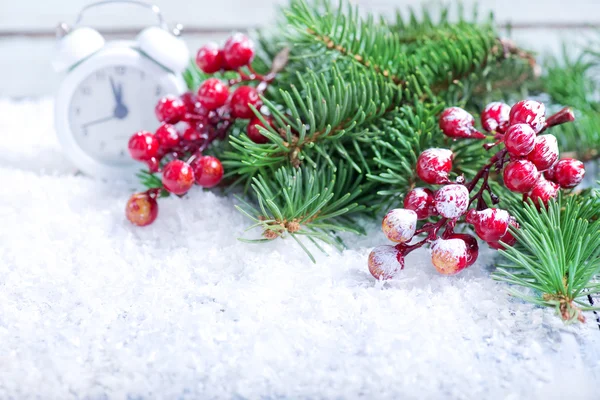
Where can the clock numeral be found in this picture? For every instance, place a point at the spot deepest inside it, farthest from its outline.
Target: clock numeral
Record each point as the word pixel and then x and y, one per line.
pixel 86 90
pixel 100 75
pixel 84 131
pixel 77 111
pixel 142 75
pixel 120 70
pixel 159 90
pixel 122 153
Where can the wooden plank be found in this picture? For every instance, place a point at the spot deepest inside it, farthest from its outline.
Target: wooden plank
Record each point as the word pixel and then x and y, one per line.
pixel 226 15
pixel 29 73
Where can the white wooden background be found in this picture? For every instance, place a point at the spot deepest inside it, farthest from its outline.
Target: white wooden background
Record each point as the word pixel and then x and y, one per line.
pixel 27 27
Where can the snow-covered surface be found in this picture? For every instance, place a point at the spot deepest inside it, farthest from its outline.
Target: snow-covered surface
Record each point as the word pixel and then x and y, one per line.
pixel 92 307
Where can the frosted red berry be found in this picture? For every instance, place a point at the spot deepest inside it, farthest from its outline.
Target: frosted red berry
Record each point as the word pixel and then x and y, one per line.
pixel 242 99
pixel 167 136
pixel 195 131
pixel 209 58
pixel 253 131
pixel 543 191
pixel 208 171
pixel 495 117
pixel 519 139
pixel 238 51
pixel 141 209
pixel 472 246
pixel 421 201
pixel 508 239
pixel 177 177
pixel 213 94
pixel 545 152
pixel 458 123
pixel 399 225
pixel 490 224
pixel 434 165
pixel 452 201
pixel 569 173
pixel 385 262
pixel 192 105
pixel 170 109
pixel 520 176
pixel 143 146
pixel 449 256
pixel 529 112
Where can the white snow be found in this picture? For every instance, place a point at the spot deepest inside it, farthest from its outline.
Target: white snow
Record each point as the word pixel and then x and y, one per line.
pixel 93 307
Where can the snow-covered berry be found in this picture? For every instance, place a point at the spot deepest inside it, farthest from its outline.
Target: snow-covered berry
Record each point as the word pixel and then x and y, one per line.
pixel 434 165
pixel 495 117
pixel 452 201
pixel 543 191
pixel 385 262
pixel 530 112
pixel 519 139
pixel 177 177
pixel 490 224
pixel 421 201
pixel 545 152
pixel 569 173
pixel 472 246
pixel 520 176
pixel 399 225
pixel 458 123
pixel 449 256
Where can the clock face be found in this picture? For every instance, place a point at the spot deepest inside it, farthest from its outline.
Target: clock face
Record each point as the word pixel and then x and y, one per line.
pixel 108 106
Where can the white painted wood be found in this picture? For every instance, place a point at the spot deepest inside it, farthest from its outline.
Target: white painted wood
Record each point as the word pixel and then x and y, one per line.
pixel 30 74
pixel 43 15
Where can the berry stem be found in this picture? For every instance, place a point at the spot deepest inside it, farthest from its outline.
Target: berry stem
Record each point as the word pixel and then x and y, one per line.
pixel 561 117
pixel 431 230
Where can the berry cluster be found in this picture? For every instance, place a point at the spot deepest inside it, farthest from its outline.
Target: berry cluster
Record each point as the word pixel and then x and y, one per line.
pixel 527 161
pixel 191 122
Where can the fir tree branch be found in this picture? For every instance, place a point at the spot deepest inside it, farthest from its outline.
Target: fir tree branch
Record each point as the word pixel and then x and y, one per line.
pixel 557 255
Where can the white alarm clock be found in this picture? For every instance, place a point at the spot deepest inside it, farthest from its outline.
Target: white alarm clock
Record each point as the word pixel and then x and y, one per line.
pixel 110 90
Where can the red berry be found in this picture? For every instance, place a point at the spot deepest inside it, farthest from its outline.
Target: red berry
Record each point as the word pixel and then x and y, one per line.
pixel 195 131
pixel 242 98
pixel 508 239
pixel 192 105
pixel 519 139
pixel 209 58
pixel 569 173
pixel 457 123
pixel 167 136
pixel 529 112
pixel 385 262
pixel 545 152
pixel 490 224
pixel 153 165
pixel 472 246
pixel 550 175
pixel 143 146
pixel 450 256
pixel 170 109
pixel 141 209
pixel 238 51
pixel 495 116
pixel 434 165
pixel 177 177
pixel 452 201
pixel 399 225
pixel 543 190
pixel 420 200
pixel 520 176
pixel 253 131
pixel 208 171
pixel 213 94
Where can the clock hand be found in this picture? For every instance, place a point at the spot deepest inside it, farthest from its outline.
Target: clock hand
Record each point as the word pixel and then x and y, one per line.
pixel 97 121
pixel 121 110
pixel 115 90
